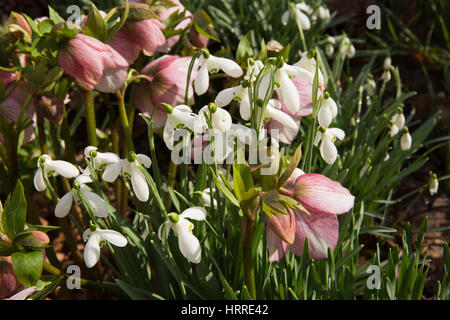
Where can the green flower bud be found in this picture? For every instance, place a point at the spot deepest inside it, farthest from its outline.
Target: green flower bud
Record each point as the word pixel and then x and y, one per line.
pixel 173 217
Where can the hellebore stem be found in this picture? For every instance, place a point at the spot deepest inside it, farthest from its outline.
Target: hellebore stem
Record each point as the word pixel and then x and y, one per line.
pixel 247 234
pixel 90 118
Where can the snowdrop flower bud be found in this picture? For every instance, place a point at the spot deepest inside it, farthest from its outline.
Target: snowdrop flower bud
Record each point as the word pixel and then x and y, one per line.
pixel 397 123
pixel 351 51
pixel 99 159
pixel 95 202
pixel 387 63
pixel 405 140
pixel 327 136
pixel 386 76
pixel 95 238
pixel 208 63
pixel 187 242
pixel 52 167
pixel 130 169
pixel 433 184
pixel 323 13
pixel 327 112
pixel 329 47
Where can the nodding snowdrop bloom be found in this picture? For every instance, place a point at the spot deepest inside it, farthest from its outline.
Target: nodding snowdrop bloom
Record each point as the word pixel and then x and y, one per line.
pixel 178 117
pixel 188 243
pixel 220 118
pixel 397 123
pixel 208 63
pixel 328 111
pixel 405 140
pixel 52 167
pixel 433 184
pixel 94 201
pixel 323 13
pixel 308 62
pixel 273 112
pixel 129 168
pixel 100 160
pixel 95 239
pixel 205 198
pixel 387 63
pixel 327 136
pixel 370 86
pixel 386 76
pixel 329 47
pixel 299 12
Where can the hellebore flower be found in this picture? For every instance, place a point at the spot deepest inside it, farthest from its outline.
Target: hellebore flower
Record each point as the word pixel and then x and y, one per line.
pixel 94 241
pixel 180 116
pixel 187 242
pixel 323 198
pixel 133 37
pixel 93 63
pixel 51 167
pixel 8 282
pixel 94 201
pixel 130 168
pixel 100 159
pixel 208 63
pixel 167 83
pixel 327 136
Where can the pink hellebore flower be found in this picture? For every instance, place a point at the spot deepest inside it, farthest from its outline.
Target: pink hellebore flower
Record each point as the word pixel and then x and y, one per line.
pixel 93 63
pixel 167 76
pixel 287 134
pixel 9 283
pixel 135 36
pixel 323 198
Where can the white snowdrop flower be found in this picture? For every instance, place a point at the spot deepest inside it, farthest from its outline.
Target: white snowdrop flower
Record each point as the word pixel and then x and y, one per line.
pixel 210 64
pixel 387 63
pixel 129 168
pixel 187 242
pixel 94 241
pixel 308 62
pixel 386 76
pixel 52 167
pixel 273 112
pixel 323 13
pixel 99 159
pixel 95 202
pixel 397 123
pixel 405 140
pixel 433 184
pixel 351 51
pixel 300 11
pixel 327 112
pixel 220 118
pixel 327 136
pixel 387 157
pixel 205 198
pixel 329 46
pixel 370 87
pixel 178 117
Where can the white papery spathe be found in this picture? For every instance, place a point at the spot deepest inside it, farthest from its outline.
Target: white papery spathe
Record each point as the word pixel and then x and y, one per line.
pixel 405 141
pixel 95 202
pixel 100 160
pixel 187 242
pixel 300 11
pixel 52 167
pixel 94 239
pixel 212 64
pixel 327 136
pixel 328 111
pixel 220 119
pixel 130 170
pixel 397 123
pixel 181 116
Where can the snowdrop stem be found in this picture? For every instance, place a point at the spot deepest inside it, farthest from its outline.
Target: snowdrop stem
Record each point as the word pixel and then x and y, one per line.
pixel 300 29
pixel 124 121
pixel 247 235
pixel 151 142
pixel 90 118
pixel 153 188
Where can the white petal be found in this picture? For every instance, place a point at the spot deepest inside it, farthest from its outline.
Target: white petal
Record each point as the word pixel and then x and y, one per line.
pixel 399 120
pixel 317 138
pixel 196 213
pixel 140 186
pixel 225 97
pixel 299 72
pixel 64 205
pixel 83 178
pixel 244 108
pixel 163 230
pixel 324 116
pixel 285 17
pixel 336 132
pixel 63 168
pixel 112 237
pixel 39 182
pixel 168 135
pixel 112 171
pixel 289 93
pixel 201 82
pixel 96 203
pixel 328 151
pixel 303 20
pixel 221 120
pixel 228 66
pixel 405 141
pixel 281 117
pixel 87 151
pixel 189 246
pixel 145 160
pixel 92 250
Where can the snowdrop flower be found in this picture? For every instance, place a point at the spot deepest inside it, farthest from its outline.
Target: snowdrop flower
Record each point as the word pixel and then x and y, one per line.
pixel 210 64
pixel 188 243
pixel 351 51
pixel 129 168
pixel 52 167
pixel 220 118
pixel 99 159
pixel 386 76
pixel 94 201
pixel 387 63
pixel 329 47
pixel 308 62
pixel 323 13
pixel 328 111
pixel 433 184
pixel 94 241
pixel 180 116
pixel 327 136
pixel 273 112
pixel 370 86
pixel 397 123
pixel 205 198
pixel 405 140
pixel 299 12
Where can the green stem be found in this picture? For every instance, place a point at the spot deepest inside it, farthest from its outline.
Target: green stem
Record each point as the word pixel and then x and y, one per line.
pixel 247 234
pixel 124 120
pixel 90 118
